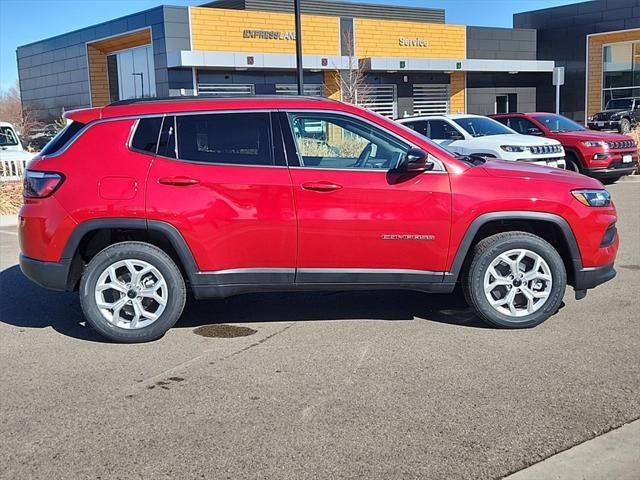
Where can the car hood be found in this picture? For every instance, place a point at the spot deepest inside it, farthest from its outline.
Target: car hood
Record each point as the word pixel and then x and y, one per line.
pixel 606 114
pixel 516 140
pixel 511 169
pixel 593 135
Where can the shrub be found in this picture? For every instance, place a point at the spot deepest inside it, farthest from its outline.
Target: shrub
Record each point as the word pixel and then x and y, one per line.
pixel 10 197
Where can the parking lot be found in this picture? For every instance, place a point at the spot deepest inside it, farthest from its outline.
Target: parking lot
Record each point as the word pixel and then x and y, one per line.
pixel 331 385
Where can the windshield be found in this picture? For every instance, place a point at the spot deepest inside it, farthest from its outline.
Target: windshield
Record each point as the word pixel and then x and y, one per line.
pixel 7 137
pixel 620 104
pixel 482 127
pixel 558 123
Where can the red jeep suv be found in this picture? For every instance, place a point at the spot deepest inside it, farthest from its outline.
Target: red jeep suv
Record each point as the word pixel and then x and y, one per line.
pixel 607 156
pixel 135 203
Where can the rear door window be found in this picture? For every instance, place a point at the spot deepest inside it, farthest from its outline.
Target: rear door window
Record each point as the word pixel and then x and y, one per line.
pixel 226 138
pixel 167 142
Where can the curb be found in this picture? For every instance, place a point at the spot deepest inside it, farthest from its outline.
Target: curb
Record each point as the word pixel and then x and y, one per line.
pixel 8 220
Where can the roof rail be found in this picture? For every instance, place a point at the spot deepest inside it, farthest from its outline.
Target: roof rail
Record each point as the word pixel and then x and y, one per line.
pixel 190 98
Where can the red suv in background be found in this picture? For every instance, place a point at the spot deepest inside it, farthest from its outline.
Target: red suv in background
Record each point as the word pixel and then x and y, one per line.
pixel 602 155
pixel 134 203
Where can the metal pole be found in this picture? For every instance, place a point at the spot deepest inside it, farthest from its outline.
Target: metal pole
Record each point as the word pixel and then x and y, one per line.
pixel 296 7
pixel 558 99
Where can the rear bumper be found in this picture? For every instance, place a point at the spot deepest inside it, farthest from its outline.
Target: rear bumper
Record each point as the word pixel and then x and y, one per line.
pixel 591 277
pixel 51 275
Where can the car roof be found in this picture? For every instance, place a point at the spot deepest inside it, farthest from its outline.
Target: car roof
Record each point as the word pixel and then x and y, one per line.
pixel 448 116
pixel 5 124
pixel 160 106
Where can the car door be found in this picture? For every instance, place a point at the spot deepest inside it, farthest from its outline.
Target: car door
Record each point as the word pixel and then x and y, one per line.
pixel 359 220
pixel 221 180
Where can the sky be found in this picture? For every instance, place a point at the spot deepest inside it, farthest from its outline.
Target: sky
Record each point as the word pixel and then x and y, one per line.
pixel 26 21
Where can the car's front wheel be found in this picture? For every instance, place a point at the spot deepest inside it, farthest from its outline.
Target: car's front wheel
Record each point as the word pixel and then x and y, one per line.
pixel 132 292
pixel 625 125
pixel 515 280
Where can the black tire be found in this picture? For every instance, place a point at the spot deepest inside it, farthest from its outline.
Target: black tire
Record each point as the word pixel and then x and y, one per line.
pixel 176 291
pixel 489 249
pixel 573 163
pixel 625 126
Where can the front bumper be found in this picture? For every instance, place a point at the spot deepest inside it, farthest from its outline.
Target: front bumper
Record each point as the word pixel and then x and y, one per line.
pixel 604 125
pixel 556 162
pixel 612 171
pixel 591 277
pixel 51 275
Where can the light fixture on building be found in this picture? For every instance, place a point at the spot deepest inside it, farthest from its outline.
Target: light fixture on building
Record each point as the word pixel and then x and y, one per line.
pixel 392 71
pixel 447 72
pixel 241 69
pixel 315 70
pixel 513 73
pixel 405 78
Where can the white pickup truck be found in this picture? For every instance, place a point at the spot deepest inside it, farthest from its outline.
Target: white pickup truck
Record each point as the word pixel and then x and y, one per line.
pixel 13 156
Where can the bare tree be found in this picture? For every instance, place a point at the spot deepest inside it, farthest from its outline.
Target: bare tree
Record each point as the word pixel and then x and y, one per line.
pixel 11 111
pixel 353 85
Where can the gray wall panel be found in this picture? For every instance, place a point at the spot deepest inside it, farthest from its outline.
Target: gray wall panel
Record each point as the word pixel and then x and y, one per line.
pixel 53 72
pixel 340 9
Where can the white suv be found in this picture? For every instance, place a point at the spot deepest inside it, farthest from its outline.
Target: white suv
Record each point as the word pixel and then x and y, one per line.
pixel 483 136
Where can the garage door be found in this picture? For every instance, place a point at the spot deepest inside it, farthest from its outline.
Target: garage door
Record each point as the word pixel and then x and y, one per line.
pixel 292 89
pixel 381 99
pixel 226 89
pixel 430 99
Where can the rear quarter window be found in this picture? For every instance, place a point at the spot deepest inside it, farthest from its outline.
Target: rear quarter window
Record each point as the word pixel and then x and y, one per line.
pixel 57 143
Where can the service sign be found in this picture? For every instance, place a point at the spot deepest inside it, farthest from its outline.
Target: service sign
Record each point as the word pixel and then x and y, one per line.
pixel 412 42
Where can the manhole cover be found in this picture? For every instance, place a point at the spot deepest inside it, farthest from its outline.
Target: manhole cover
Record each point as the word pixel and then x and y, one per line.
pixel 224 331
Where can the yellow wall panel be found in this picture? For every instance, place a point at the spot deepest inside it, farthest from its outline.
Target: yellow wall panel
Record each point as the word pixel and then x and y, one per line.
pixel 382 38
pixel 215 29
pixel 457 92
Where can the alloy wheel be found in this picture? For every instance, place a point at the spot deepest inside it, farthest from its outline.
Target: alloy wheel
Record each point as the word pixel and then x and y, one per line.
pixel 131 294
pixel 518 282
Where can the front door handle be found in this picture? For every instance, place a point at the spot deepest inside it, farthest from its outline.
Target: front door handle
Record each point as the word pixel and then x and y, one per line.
pixel 321 186
pixel 178 181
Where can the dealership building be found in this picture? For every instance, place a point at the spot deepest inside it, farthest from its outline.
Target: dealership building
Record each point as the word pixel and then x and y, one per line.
pixel 412 60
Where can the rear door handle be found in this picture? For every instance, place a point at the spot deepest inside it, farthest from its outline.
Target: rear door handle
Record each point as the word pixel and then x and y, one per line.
pixel 178 181
pixel 321 186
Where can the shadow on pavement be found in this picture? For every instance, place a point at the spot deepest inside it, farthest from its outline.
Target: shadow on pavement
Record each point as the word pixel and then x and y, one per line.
pixel 25 304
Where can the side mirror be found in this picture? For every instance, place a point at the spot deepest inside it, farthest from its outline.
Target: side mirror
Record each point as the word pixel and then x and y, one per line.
pixel 416 160
pixel 534 131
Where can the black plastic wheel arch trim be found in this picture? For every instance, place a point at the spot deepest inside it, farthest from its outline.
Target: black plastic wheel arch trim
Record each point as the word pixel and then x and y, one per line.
pixel 479 222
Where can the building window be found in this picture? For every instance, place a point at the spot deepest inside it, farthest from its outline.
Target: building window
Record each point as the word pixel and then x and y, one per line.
pixel 621 76
pixel 131 74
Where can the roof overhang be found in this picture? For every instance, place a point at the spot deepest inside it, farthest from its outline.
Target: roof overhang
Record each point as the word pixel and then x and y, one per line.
pixel 285 61
pixel 248 60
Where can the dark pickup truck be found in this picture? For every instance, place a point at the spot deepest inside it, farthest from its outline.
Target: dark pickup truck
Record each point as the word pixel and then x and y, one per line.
pixel 621 114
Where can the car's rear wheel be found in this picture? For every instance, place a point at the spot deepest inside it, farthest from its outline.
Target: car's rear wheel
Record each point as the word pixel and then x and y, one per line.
pixel 132 292
pixel 515 280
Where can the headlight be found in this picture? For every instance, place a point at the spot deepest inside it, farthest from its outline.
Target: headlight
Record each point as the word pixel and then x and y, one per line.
pixel 513 148
pixel 588 143
pixel 590 119
pixel 592 198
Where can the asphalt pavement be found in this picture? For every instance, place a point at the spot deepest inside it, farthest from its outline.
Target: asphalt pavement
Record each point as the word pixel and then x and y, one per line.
pixel 332 385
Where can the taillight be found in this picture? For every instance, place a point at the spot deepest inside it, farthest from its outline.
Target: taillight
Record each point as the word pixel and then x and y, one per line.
pixel 41 184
